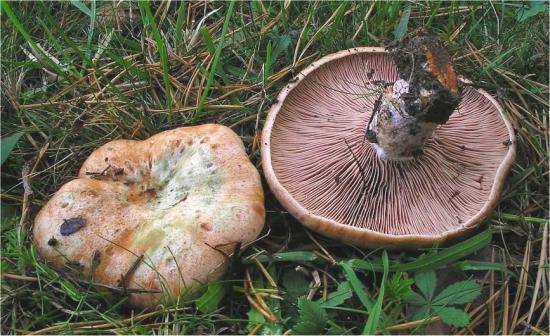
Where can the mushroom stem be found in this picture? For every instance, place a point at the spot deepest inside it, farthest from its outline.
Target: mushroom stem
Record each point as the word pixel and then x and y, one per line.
pixel 425 96
pixel 398 135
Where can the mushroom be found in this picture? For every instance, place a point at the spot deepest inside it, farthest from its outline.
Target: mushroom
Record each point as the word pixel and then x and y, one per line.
pixel 321 165
pixel 160 217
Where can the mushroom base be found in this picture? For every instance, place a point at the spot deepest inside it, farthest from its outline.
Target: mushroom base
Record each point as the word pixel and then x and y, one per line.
pixel 399 136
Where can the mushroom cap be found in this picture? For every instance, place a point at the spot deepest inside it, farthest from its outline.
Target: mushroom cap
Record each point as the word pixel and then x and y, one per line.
pixel 182 199
pixel 323 171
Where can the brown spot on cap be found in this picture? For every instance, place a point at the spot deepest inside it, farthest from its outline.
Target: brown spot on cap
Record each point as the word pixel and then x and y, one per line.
pixel 206 226
pixel 52 241
pixel 258 209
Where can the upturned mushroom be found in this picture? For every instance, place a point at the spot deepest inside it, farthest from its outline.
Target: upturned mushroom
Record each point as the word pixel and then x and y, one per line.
pixel 388 148
pixel 157 217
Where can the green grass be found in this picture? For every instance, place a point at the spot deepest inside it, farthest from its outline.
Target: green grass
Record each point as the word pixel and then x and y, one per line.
pixel 76 75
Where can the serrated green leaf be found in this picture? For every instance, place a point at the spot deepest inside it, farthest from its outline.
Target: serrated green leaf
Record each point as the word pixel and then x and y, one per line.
pixel 338 297
pixel 453 317
pixel 401 27
pixel 7 144
pixel 399 287
pixel 209 301
pixel 275 307
pixel 254 318
pixel 313 318
pixel 335 329
pixel 425 281
pixel 415 299
pixel 422 313
pixel 458 293
pixel 271 328
pixel 295 284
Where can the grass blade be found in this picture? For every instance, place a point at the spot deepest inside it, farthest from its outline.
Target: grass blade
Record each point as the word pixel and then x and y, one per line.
pixel 180 21
pixel 82 7
pixel 215 62
pixel 520 218
pixel 285 256
pixel 432 260
pixel 376 311
pixel 209 42
pixel 163 54
pixel 267 64
pixel 209 301
pixel 401 28
pixel 356 285
pixel 7 144
pixel 15 21
pixel 92 15
pixel 474 265
pixel 207 38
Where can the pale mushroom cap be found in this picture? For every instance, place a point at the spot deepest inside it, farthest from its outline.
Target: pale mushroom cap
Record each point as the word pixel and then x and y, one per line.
pixel 446 192
pixel 181 195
